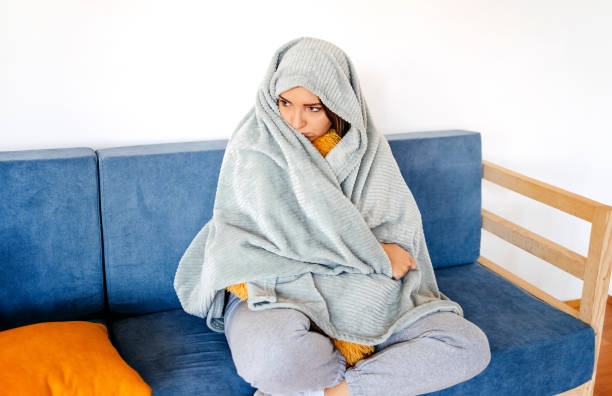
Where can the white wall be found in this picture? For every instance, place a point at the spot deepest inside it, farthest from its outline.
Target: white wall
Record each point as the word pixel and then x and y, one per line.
pixel 532 76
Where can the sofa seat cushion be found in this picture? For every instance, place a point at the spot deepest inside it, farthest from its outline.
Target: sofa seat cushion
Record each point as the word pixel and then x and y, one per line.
pixel 177 354
pixel 535 348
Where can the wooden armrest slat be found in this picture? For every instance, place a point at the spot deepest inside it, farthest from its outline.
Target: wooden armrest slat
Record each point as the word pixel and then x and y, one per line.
pixel 599 265
pixel 531 289
pixel 568 260
pixel 548 194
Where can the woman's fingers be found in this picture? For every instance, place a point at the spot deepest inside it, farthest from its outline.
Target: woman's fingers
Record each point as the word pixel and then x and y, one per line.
pixel 414 262
pixel 401 260
pixel 400 269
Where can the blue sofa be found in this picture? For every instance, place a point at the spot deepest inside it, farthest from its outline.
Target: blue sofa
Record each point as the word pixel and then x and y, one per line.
pixel 97 235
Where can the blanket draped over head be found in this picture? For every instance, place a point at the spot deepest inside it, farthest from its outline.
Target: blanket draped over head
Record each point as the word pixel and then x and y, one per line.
pixel 303 230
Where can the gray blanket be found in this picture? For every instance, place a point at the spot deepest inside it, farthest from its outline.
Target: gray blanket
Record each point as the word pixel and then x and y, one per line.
pixel 303 230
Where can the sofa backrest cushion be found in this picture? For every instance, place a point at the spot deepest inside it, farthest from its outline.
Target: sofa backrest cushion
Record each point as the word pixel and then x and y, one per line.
pixel 443 170
pixel 50 242
pixel 155 198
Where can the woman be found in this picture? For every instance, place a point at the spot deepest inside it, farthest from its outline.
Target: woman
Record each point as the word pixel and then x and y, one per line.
pixel 333 238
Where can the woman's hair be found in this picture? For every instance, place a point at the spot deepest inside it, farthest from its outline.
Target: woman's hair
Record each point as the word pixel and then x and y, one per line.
pixel 338 123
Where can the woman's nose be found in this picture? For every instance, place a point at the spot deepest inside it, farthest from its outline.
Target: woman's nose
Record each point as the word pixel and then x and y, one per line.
pixel 298 120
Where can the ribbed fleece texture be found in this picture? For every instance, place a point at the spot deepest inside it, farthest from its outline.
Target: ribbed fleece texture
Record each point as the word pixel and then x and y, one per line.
pixel 303 230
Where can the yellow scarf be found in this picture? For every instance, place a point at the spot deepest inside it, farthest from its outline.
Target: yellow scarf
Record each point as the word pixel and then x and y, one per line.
pixel 326 142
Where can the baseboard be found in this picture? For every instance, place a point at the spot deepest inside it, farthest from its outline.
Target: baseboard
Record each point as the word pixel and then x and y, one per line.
pixel 576 303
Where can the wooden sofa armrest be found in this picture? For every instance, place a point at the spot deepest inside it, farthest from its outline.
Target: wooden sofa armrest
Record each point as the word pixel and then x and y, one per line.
pixel 594 270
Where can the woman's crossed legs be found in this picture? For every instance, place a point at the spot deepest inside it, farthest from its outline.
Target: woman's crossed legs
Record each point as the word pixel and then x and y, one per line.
pixel 275 351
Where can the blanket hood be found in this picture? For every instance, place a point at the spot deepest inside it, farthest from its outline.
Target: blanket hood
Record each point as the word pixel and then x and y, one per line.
pixel 325 70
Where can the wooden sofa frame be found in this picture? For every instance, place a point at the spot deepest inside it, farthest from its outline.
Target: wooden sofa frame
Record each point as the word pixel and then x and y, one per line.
pixel 594 270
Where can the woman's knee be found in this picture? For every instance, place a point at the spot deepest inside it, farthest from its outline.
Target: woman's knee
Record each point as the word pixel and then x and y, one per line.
pixel 469 343
pixel 267 345
pixel 477 348
pixel 299 361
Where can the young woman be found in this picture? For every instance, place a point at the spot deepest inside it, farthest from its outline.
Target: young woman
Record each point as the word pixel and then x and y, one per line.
pixel 319 241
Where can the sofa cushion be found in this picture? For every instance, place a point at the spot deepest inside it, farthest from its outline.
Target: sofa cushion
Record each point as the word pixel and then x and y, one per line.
pixel 443 170
pixel 177 354
pixel 535 348
pixel 153 199
pixel 50 241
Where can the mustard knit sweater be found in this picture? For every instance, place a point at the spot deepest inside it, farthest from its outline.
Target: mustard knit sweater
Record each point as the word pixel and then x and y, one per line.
pixel 351 351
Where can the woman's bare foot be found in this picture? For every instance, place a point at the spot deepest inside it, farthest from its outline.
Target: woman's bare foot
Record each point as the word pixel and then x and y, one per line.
pixel 339 390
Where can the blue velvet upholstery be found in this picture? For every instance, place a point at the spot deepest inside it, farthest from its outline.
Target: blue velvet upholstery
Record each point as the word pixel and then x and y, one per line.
pixel 154 199
pixel 535 348
pixel 50 242
pixel 177 354
pixel 444 171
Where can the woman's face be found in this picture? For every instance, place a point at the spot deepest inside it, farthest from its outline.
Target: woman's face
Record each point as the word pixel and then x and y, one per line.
pixel 303 111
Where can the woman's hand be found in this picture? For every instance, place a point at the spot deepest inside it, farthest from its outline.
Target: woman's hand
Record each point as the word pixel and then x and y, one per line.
pixel 401 260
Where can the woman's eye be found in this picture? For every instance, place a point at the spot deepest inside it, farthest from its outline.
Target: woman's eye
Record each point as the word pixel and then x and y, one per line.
pixel 287 104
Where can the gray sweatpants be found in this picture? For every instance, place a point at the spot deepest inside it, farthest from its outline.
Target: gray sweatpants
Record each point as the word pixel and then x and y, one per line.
pixel 275 351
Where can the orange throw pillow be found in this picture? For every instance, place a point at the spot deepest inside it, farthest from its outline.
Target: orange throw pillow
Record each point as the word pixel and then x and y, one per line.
pixel 65 358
